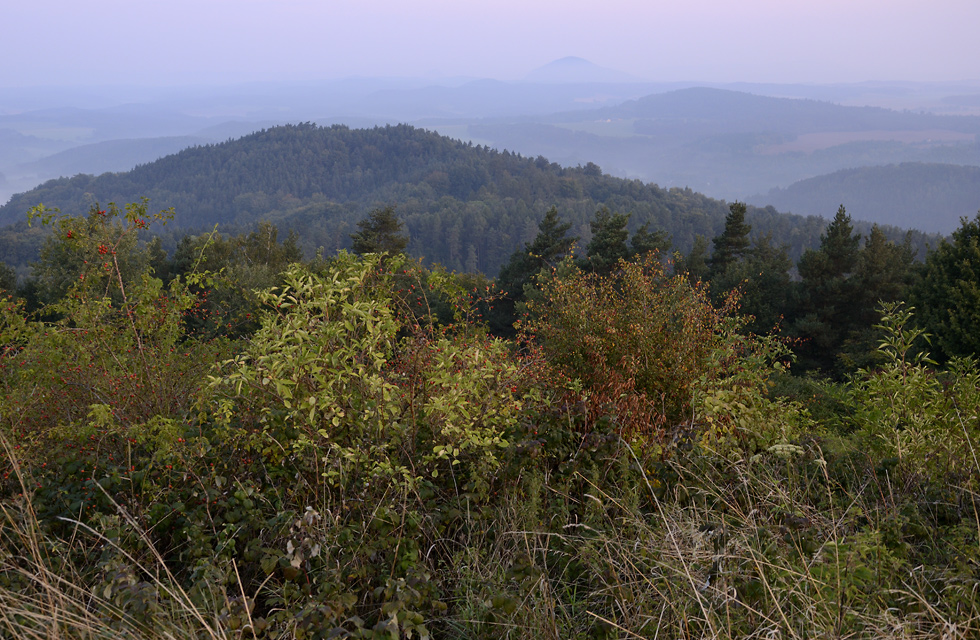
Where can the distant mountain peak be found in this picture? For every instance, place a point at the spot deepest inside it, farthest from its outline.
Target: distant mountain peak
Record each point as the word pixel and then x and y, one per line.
pixel 570 61
pixel 572 69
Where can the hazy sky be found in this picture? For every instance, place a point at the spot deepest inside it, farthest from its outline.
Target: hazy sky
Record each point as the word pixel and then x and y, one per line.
pixel 47 42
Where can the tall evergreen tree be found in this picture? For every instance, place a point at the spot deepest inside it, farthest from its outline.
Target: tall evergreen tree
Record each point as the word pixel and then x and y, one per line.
pixel 947 294
pixel 546 250
pixel 695 263
pixel 826 295
pixel 883 273
pixel 762 279
pixel 733 243
pixel 643 241
pixel 608 244
pixel 380 232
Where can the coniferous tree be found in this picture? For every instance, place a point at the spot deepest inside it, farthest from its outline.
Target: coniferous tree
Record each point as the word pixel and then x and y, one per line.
pixel 826 295
pixel 761 277
pixel 8 279
pixel 380 232
pixel 643 241
pixel 695 263
pixel 947 294
pixel 608 244
pixel 546 250
pixel 733 243
pixel 883 273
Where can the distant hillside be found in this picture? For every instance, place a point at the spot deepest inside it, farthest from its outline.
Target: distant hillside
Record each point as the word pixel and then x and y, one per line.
pixel 931 197
pixel 572 69
pixel 112 155
pixel 99 157
pixel 731 144
pixel 466 207
pixel 709 109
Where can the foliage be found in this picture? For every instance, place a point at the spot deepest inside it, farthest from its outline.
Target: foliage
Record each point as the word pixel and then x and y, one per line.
pixel 550 246
pixel 695 263
pixel 948 292
pixel 637 339
pixel 380 232
pixel 733 243
pixel 236 267
pixel 101 247
pixel 114 364
pixel 369 463
pixel 762 280
pixel 907 411
pixel 466 207
pixel 608 244
pixel 732 398
pixel 8 279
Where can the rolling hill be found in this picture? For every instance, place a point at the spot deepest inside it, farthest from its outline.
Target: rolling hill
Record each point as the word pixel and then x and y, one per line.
pixel 731 144
pixel 931 197
pixel 465 206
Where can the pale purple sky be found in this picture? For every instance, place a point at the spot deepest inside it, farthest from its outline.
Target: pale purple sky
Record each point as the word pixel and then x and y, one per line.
pixel 49 42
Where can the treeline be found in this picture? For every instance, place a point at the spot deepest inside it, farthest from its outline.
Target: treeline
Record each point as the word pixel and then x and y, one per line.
pixel 465 207
pixel 827 303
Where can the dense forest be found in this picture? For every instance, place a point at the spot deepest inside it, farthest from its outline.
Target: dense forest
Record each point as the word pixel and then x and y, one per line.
pixel 465 207
pixel 228 440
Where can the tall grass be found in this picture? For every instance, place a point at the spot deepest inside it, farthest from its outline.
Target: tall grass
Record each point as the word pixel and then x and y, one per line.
pixel 769 547
pixel 791 543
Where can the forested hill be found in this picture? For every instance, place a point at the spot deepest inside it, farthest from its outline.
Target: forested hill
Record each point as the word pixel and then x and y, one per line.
pixel 931 197
pixel 467 207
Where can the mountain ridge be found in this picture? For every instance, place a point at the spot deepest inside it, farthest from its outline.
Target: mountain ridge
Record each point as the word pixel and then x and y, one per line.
pixel 465 206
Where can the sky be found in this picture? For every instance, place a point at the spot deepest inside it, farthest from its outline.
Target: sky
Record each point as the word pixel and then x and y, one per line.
pixel 149 42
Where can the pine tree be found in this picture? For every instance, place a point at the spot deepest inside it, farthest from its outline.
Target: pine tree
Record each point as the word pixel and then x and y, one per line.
pixel 608 244
pixel 546 250
pixel 380 232
pixel 733 243
pixel 947 295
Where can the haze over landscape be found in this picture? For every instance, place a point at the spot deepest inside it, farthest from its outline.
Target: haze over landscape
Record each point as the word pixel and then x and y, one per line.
pixel 109 85
pixel 110 42
pixel 454 320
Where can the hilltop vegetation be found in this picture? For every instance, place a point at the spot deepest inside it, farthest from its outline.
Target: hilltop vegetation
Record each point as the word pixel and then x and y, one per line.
pixel 348 453
pixel 465 207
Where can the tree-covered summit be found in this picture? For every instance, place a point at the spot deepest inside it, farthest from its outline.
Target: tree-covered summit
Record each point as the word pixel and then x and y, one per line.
pixel 467 207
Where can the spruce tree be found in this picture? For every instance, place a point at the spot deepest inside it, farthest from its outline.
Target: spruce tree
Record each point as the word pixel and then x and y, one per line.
pixel 546 250
pixel 380 232
pixel 608 242
pixel 883 273
pixel 827 297
pixel 947 295
pixel 733 243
